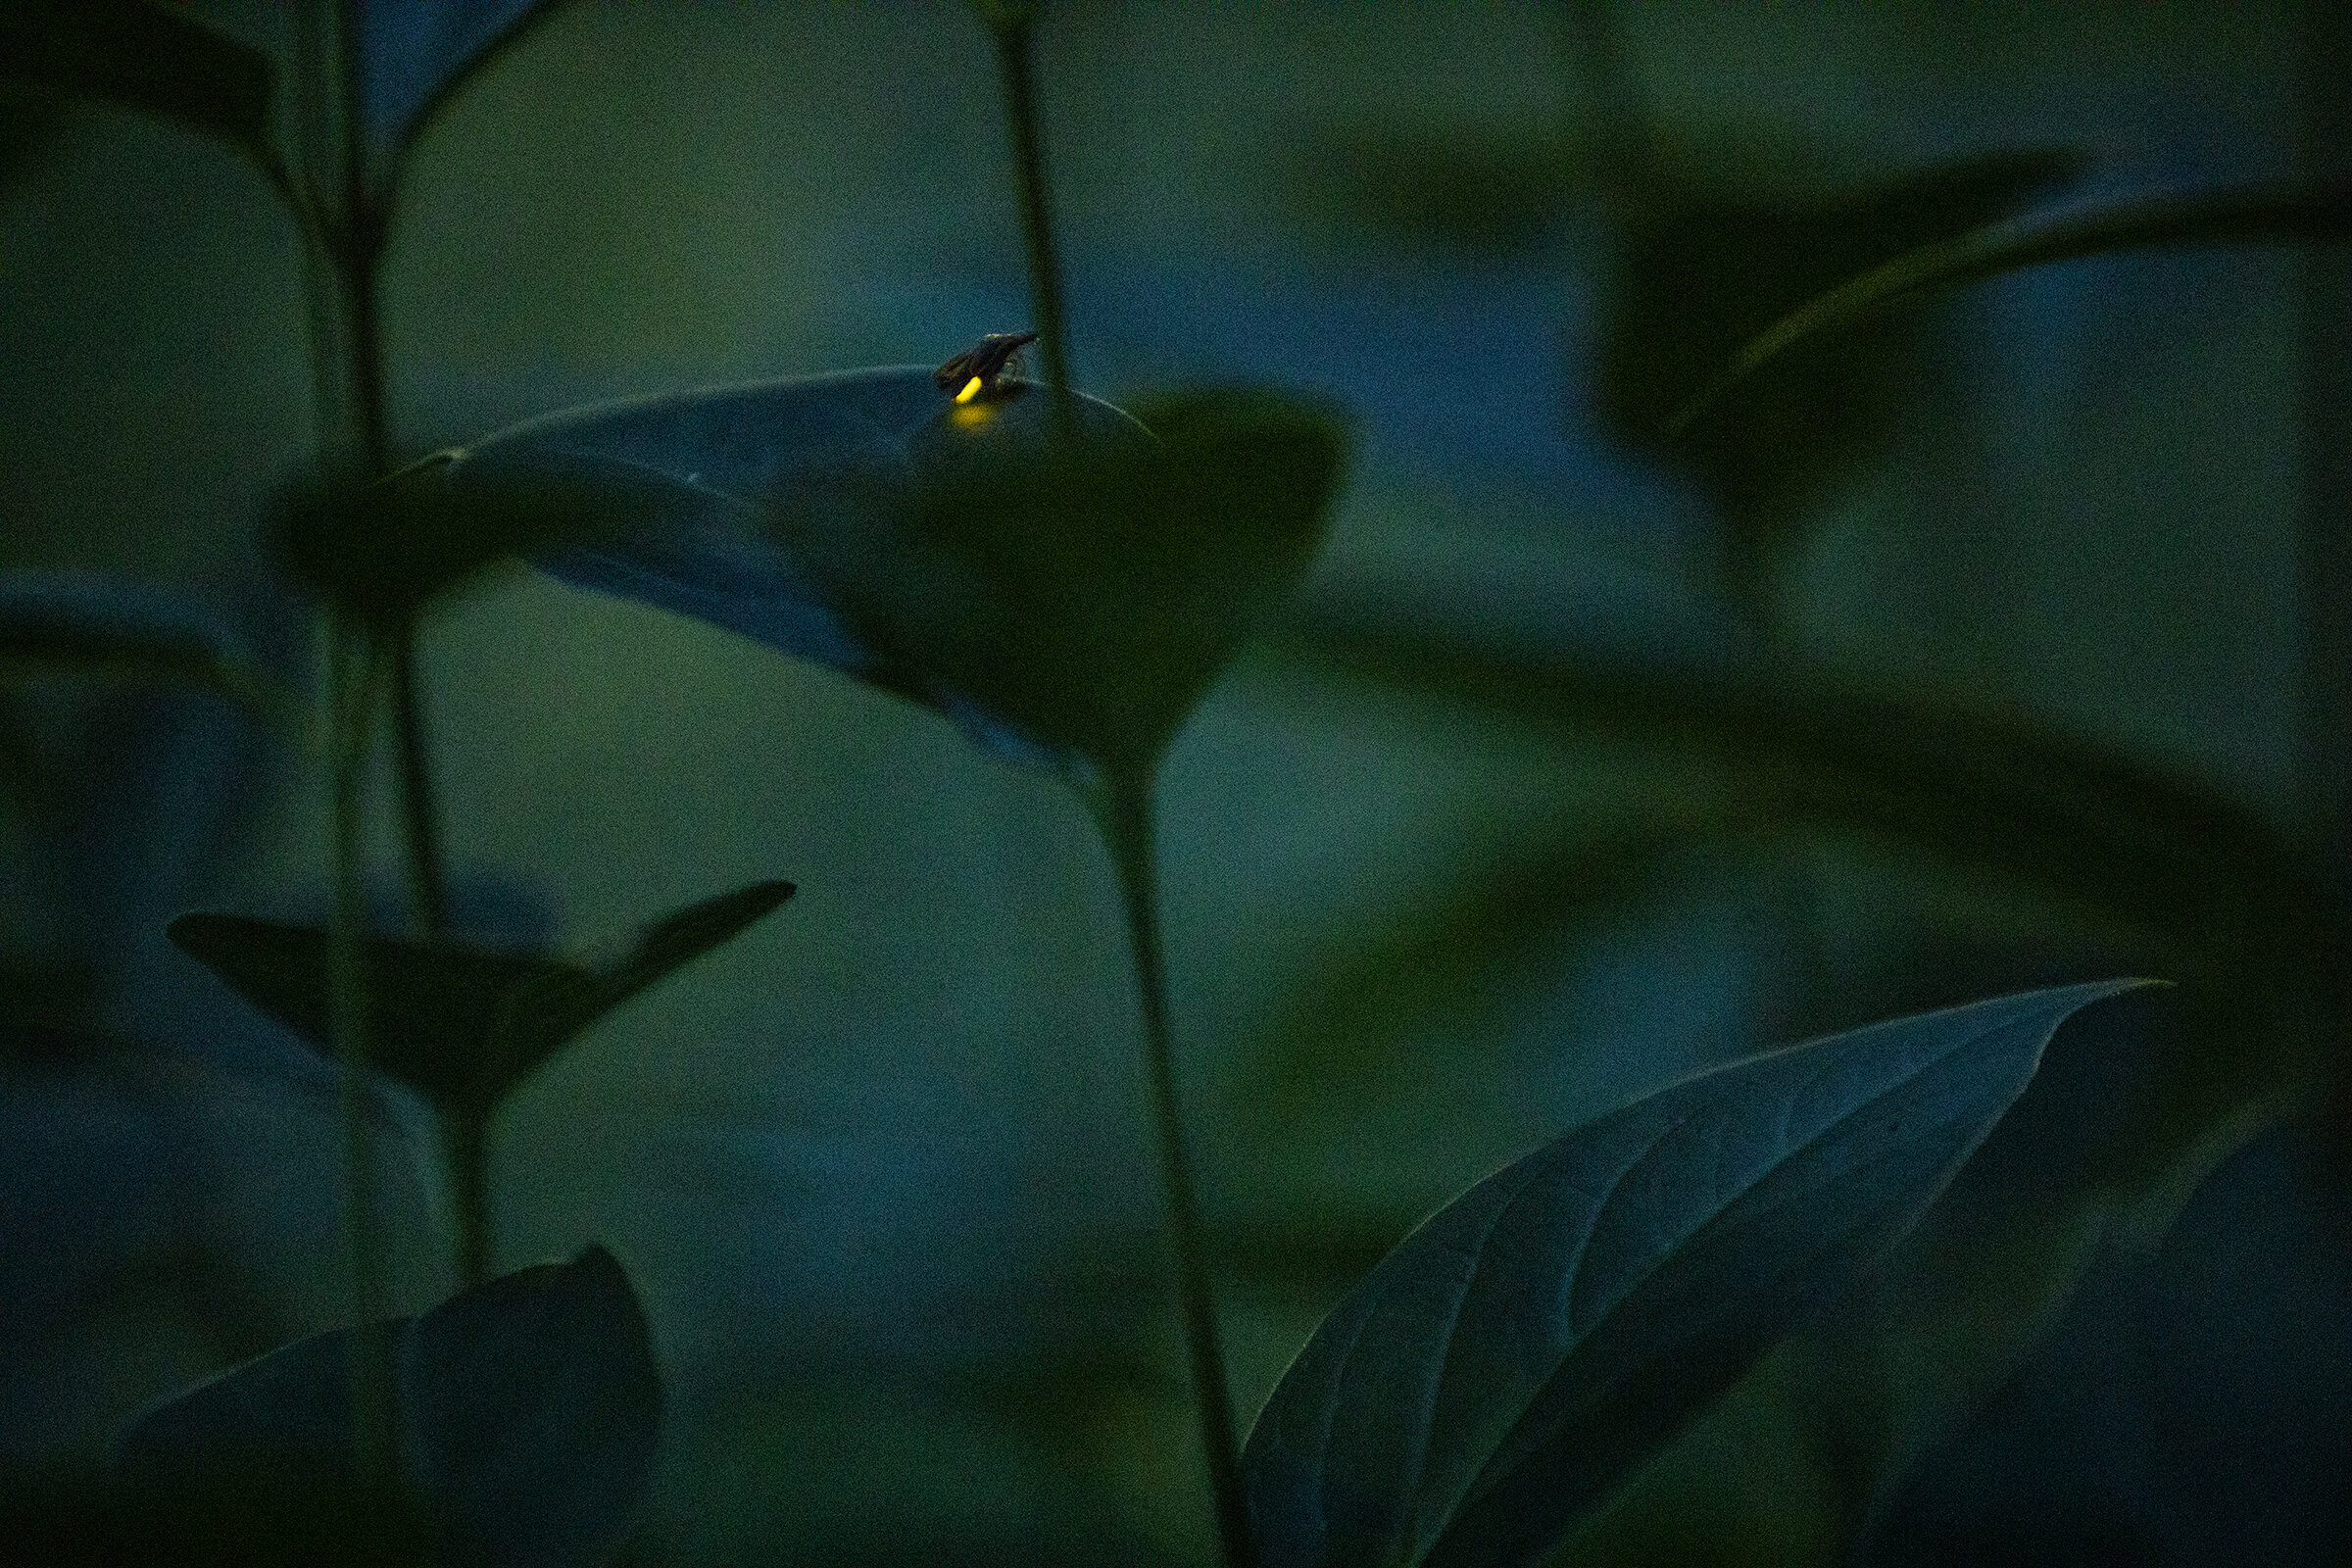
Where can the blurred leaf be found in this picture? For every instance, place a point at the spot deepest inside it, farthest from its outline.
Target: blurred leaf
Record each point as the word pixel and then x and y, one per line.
pixel 1523 1351
pixel 462 1024
pixel 79 622
pixel 418 54
pixel 1065 605
pixel 2217 218
pixel 382 552
pixel 153 58
pixel 1698 275
pixel 528 1412
pixel 1974 789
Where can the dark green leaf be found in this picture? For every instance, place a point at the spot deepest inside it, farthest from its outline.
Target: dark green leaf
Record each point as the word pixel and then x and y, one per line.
pixel 2219 218
pixel 433 1008
pixel 99 626
pixel 1065 604
pixel 528 1412
pixel 1519 1355
pixel 1087 598
pixel 1841 1409
pixel 462 1023
pixel 153 58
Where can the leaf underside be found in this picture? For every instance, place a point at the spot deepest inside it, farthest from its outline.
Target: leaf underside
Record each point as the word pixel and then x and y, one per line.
pixel 1505 1368
pixel 1062 602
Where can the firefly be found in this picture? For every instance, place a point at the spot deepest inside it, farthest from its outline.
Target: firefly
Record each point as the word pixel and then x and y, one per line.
pixel 978 367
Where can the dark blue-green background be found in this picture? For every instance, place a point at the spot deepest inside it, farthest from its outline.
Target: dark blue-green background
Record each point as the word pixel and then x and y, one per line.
pixel 879 1167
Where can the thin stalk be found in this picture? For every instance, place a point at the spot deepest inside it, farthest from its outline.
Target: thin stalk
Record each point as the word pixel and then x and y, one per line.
pixel 358 251
pixel 466 1147
pixel 1123 808
pixel 351 688
pixel 420 822
pixel 1015 59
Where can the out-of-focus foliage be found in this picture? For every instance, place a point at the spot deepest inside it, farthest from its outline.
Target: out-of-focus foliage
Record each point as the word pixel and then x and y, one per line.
pixel 528 1411
pixel 147 56
pixel 54 622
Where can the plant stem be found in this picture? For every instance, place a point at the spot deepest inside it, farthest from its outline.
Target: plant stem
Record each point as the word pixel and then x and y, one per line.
pixel 420 822
pixel 1123 809
pixel 466 1147
pixel 353 245
pixel 1016 61
pixel 351 687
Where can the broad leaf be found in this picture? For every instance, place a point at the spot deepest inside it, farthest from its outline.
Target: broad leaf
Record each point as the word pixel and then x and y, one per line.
pixel 462 1023
pixel 1065 603
pixel 418 53
pixel 528 1409
pixel 153 58
pixel 78 621
pixel 1519 1355
pixel 2242 217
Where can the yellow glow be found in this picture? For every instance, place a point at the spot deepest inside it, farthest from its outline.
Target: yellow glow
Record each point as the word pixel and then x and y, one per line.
pixel 971 390
pixel 973 416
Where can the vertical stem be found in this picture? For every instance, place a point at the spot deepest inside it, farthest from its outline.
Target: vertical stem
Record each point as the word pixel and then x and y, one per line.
pixel 1123 808
pixel 464 1135
pixel 419 820
pixel 1016 61
pixel 353 246
pixel 351 689
pixel 358 251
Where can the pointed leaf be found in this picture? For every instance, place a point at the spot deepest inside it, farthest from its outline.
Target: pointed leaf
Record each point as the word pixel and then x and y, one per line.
pixel 1697 273
pixel 83 621
pixel 528 1412
pixel 1066 604
pixel 156 59
pixel 2243 216
pixel 460 1022
pixel 1534 1342
pixel 562 1003
pixel 418 53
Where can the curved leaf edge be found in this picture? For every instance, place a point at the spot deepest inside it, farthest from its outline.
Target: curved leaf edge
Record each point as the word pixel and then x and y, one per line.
pixel 2238 217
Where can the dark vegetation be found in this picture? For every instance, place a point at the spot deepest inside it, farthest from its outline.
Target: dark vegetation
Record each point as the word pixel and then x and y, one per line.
pixel 1744 1306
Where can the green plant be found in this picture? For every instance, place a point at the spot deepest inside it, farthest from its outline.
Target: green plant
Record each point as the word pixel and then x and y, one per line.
pixel 1063 579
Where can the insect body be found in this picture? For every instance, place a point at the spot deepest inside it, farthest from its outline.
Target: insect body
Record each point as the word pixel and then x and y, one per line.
pixel 977 367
